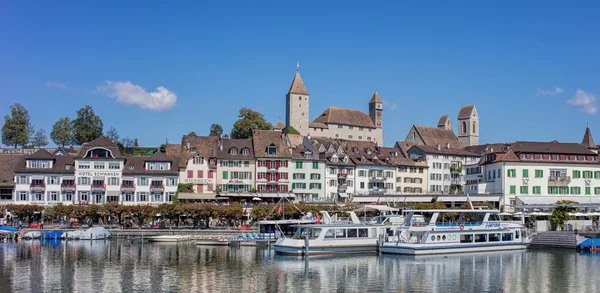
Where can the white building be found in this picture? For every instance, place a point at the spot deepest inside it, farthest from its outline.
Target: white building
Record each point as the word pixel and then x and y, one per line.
pixel 338 183
pixel 308 173
pixel 446 172
pixel 375 173
pixel 199 163
pixel 150 180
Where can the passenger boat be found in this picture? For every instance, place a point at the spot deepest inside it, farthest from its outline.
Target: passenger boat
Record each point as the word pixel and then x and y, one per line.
pixel 475 231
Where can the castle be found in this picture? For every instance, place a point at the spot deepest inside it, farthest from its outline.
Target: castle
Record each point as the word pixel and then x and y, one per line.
pixel 443 135
pixel 334 122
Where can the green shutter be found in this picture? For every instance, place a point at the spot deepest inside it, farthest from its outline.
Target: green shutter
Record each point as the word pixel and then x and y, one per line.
pixel 525 173
pixel 541 173
pixel 250 175
pixel 595 175
pixel 513 189
pixel 224 174
pixel 293 185
pixel 246 163
pixel 319 176
pixel 548 189
pixel 588 190
pixel 319 185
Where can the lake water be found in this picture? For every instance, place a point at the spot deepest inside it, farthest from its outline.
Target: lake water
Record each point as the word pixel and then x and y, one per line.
pixel 120 266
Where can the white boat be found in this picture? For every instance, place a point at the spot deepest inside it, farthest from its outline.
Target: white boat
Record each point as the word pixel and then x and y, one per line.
pixel 94 233
pixel 32 235
pixel 167 238
pixel 275 229
pixel 72 235
pixel 475 231
pixel 213 242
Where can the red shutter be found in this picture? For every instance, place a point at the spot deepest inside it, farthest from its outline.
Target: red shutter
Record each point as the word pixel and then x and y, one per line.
pixel 268 176
pixel 190 174
pixel 200 174
pixel 277 188
pixel 278 163
pixel 210 187
pixel 277 176
pixel 268 164
pixel 201 160
pixel 210 173
pixel 200 189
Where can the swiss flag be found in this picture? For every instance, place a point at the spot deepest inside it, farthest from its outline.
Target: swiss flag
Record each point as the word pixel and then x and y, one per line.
pixel 318 220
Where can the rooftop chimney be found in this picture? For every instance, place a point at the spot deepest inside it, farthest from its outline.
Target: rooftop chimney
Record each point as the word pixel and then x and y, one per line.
pixel 437 147
pixel 447 145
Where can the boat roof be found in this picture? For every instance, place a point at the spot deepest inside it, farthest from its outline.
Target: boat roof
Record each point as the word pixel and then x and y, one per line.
pixel 378 208
pixel 279 222
pixel 455 211
pixel 339 225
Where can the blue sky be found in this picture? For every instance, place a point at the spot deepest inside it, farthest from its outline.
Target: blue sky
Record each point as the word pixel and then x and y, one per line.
pixel 531 67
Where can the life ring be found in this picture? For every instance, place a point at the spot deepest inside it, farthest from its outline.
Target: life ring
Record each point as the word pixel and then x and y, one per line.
pixel 462 227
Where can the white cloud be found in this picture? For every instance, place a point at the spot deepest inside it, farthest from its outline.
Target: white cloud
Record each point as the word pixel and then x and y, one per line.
pixel 56 85
pixel 586 102
pixel 556 90
pixel 391 106
pixel 128 93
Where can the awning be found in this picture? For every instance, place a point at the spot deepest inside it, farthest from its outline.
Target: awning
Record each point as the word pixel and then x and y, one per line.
pixel 393 199
pixel 342 194
pixel 198 196
pixel 68 177
pixel 550 200
pixel 37 177
pixel 463 198
pixel 113 193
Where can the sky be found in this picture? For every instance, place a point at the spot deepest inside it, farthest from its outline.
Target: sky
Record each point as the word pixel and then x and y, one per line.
pixel 156 70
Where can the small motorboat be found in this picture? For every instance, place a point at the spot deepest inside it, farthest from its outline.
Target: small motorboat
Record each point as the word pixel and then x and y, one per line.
pixel 167 238
pixel 94 233
pixel 56 234
pixel 32 235
pixel 8 228
pixel 213 242
pixel 72 235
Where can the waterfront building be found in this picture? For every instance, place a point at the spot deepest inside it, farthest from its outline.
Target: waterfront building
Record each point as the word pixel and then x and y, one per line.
pixel 236 167
pixel 149 179
pixel 411 176
pixel 446 172
pixel 339 170
pixel 468 131
pixel 8 163
pixel 273 158
pixel 334 122
pixel 540 172
pixel 375 172
pixel 308 172
pixel 198 165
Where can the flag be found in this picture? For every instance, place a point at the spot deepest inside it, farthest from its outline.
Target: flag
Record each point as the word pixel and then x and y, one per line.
pixel 318 220
pixel 279 211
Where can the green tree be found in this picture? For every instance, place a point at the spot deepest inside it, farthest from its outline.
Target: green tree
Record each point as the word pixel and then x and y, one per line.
pixel 249 120
pixel 135 143
pixel 127 144
pixel 216 130
pixel 292 130
pixel 112 134
pixel 560 215
pixel 39 138
pixel 193 133
pixel 17 127
pixel 62 131
pixel 185 188
pixel 87 126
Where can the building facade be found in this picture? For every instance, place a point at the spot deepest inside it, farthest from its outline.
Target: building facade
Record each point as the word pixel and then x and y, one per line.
pixel 236 167
pixel 307 173
pixel 338 183
pixel 273 163
pixel 199 163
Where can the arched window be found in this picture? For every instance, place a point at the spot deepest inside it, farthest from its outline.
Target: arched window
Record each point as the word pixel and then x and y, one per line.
pixel 233 151
pixel 464 127
pixel 474 127
pixel 245 152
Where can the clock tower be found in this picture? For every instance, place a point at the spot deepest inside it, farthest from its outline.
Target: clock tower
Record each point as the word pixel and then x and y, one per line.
pixel 376 114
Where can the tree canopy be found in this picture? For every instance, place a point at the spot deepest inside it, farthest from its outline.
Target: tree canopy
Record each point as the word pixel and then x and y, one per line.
pixel 249 120
pixel 560 215
pixel 87 126
pixel 193 133
pixel 292 130
pixel 39 138
pixel 62 131
pixel 17 127
pixel 216 130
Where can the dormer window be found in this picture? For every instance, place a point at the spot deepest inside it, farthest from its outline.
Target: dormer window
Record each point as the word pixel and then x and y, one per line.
pixel 272 150
pixel 331 149
pixel 340 150
pixel 322 148
pixel 245 152
pixel 307 155
pixel 131 166
pixel 346 159
pixel 98 153
pixel 39 164
pixel 192 150
pixel 334 159
pixel 198 160
pixel 369 151
pixel 158 166
pixel 233 151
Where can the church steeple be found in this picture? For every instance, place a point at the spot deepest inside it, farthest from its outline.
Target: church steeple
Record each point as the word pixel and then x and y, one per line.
pixel 588 141
pixel 297 86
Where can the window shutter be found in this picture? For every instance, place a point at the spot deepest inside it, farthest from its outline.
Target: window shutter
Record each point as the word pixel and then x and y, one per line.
pixel 293 185
pixel 548 189
pixel 225 175
pixel 319 185
pixel 277 163
pixel 249 175
pixel 190 174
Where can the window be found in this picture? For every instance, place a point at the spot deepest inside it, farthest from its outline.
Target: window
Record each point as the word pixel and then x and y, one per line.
pixel 360 137
pixel 114 165
pixel 84 196
pixel 52 180
pixel 200 174
pixel 315 165
pixel 466 238
pixel 539 173
pixel 53 196
pixel 233 151
pixel 83 165
pixel 525 173
pixel 128 196
pixel 494 237
pixel 22 195
pixel 84 181
pixel 352 233
pixel 332 183
pixel 337 135
pixel 481 237
pixel 334 159
pixel 99 166
pixel 131 167
pixel 513 189
pixel 524 189
pixel 113 180
pixel 299 165
pixel 157 166
pixel 68 196
pixel 272 150
pixel 143 181
pixel 349 136
pixel 43 164
pixel 507 236
pixel 245 151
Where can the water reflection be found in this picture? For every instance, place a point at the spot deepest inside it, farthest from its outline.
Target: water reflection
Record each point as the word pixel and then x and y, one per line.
pixel 120 266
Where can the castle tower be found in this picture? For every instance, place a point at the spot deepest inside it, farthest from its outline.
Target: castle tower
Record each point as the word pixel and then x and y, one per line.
pixel 468 126
pixel 376 115
pixel 296 106
pixel 588 141
pixel 445 123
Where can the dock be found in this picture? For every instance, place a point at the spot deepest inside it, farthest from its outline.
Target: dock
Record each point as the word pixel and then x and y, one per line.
pixel 567 240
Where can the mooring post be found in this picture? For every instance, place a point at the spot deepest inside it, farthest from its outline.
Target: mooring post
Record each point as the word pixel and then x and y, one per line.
pixel 306 246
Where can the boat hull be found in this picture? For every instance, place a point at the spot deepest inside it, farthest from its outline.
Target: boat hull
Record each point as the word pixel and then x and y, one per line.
pixel 320 250
pixel 212 242
pixel 424 249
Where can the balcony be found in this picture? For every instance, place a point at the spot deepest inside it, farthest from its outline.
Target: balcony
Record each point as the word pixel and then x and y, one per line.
pixel 157 188
pixel 98 187
pixel 342 187
pixel 37 187
pixel 375 179
pixel 67 187
pixel 127 187
pixel 559 180
pixel 343 175
pixel 455 169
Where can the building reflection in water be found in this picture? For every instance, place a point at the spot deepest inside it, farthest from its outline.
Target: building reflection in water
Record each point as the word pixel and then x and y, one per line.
pixel 121 266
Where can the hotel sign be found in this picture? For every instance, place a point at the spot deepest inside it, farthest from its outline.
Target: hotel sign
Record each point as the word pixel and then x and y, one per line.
pixel 197 181
pixel 97 174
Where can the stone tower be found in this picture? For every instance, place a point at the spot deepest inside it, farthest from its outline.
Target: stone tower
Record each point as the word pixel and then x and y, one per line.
pixel 445 123
pixel 588 140
pixel 376 115
pixel 296 106
pixel 468 126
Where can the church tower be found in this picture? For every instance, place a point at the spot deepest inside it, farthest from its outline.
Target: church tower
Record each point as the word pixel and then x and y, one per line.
pixel 468 126
pixel 445 123
pixel 296 106
pixel 376 115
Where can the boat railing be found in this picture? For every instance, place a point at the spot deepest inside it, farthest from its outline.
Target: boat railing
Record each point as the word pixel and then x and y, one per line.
pixel 457 224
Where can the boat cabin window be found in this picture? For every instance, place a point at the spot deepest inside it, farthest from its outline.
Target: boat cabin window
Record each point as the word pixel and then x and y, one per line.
pixel 363 232
pixel 507 236
pixel 516 234
pixel 481 237
pixel 494 217
pixel 523 233
pixel 466 238
pixel 313 233
pixel 330 233
pixel 340 233
pixel 494 237
pixel 352 233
